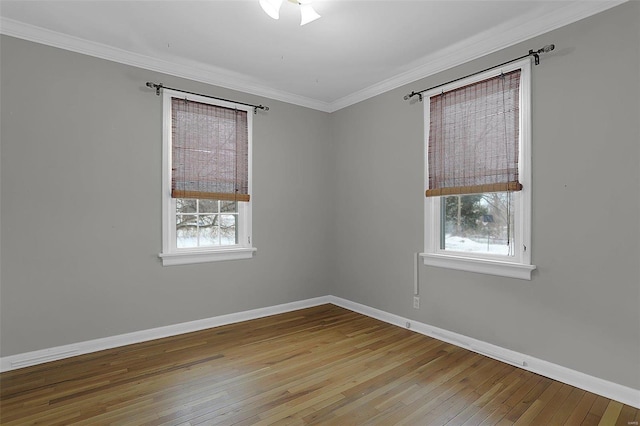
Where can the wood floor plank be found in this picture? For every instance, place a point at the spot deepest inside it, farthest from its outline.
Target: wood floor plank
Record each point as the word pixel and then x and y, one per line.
pixel 611 414
pixel 493 407
pixel 322 365
pixel 596 411
pixel 501 410
pixel 629 416
pixel 521 407
pixel 581 410
pixel 553 406
pixel 539 404
pixel 563 411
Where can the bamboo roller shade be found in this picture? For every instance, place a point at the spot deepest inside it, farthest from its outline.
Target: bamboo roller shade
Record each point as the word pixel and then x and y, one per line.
pixel 474 138
pixel 209 151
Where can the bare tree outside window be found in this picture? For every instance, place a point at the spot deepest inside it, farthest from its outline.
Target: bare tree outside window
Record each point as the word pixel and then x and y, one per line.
pixel 465 230
pixel 206 223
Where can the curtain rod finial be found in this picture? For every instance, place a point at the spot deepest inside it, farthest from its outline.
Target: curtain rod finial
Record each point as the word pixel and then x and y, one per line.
pixel 155 86
pixel 536 54
pixel 412 94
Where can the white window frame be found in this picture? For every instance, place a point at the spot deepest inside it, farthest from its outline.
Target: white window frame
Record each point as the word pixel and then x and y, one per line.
pixel 171 254
pixel 516 266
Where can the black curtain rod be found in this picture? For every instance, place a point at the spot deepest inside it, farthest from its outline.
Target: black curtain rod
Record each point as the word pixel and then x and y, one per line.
pixel 534 53
pixel 160 86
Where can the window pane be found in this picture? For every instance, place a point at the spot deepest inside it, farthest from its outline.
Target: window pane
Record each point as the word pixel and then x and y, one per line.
pixel 228 229
pixel 478 223
pixel 186 231
pixel 207 221
pixel 208 237
pixel 208 206
pixel 186 221
pixel 184 205
pixel 228 206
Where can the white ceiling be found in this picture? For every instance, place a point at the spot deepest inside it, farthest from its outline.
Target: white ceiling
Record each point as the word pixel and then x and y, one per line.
pixel 358 48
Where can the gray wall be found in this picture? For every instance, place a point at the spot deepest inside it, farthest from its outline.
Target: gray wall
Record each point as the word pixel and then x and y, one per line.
pixel 81 210
pixel 337 207
pixel 581 308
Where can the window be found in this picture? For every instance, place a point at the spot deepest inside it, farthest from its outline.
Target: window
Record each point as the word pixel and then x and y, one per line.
pixel 206 182
pixel 477 173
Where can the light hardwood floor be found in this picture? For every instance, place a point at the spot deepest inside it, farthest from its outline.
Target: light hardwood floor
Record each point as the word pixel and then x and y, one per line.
pixel 322 365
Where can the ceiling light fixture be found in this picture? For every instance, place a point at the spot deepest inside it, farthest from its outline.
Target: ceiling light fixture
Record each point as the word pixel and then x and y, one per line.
pixel 307 13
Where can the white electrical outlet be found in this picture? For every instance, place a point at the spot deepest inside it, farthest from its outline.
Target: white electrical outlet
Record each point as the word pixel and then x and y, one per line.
pixel 416 302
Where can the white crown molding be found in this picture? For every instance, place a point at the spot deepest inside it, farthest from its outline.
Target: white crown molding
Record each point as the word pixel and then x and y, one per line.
pixel 473 48
pixel 209 75
pixel 481 45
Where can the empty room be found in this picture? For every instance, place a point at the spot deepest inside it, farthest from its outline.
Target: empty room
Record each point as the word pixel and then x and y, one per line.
pixel 343 212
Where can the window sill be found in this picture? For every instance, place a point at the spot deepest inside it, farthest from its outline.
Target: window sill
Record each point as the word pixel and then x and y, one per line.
pixel 188 257
pixel 482 266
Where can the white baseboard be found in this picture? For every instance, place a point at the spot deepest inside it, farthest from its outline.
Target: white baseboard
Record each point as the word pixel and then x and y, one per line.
pixel 580 380
pixel 602 387
pixel 27 359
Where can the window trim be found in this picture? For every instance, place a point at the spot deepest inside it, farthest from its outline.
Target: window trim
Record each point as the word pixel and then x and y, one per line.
pixel 519 265
pixel 171 254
